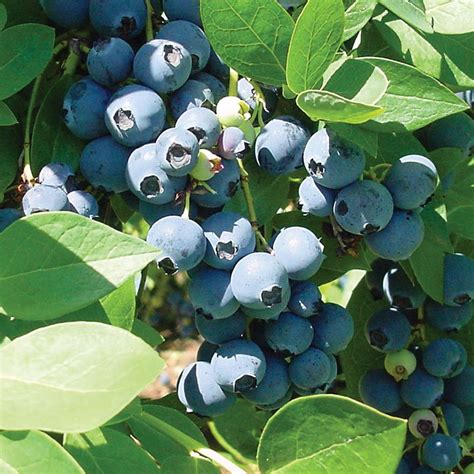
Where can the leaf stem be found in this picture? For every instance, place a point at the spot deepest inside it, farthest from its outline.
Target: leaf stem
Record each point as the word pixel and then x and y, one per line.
pixel 149 22
pixel 442 420
pixel 233 80
pixel 141 288
pixel 337 233
pixel 187 205
pixel 244 178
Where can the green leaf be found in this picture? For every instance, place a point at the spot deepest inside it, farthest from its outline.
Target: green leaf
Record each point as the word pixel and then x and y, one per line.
pixel 148 334
pixel 134 408
pixel 323 105
pixel 411 11
pixel 184 464
pixel 445 57
pixel 3 16
pixel 392 146
pixel 11 145
pixel 358 13
pixel 33 452
pixel 315 41
pixel 327 434
pixel 26 11
pixel 7 117
pixel 240 440
pixel 269 193
pixel 52 141
pixel 428 260
pixel 450 17
pixel 25 50
pixel 96 368
pixel 67 262
pixel 412 100
pixel 106 450
pixel 251 36
pixel 367 140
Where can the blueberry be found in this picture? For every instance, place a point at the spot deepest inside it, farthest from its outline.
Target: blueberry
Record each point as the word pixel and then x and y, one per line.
pixel 7 217
pixel 331 161
pixel 246 92
pixel 239 365
pixel 211 294
pixel 182 10
pixel 269 313
pixel 448 318
pixel 291 4
pixel 153 212
pixel 203 123
pixel 399 240
pixel 181 242
pixel 162 65
pixel 310 369
pixel 67 13
pixel 333 328
pixel 259 281
pixel 123 18
pixel 379 390
pixel 422 423
pixel 279 403
pixel 84 107
pixel 55 174
pixel 363 208
pixel 400 291
pixel 232 143
pixel 423 470
pixel 218 331
pixel 315 199
pixel 218 89
pixel 401 364
pixel 374 278
pixel 444 358
pixel 275 383
pixel 199 391
pixel 300 252
pixel 43 198
pixel 305 299
pixel 103 163
pixel 454 418
pixel 422 390
pixel 191 37
pixel 230 237
pixel 217 67
pixel 177 151
pixel 83 203
pixel 110 61
pixel 412 180
pixel 206 351
pixel 441 452
pixel 388 330
pixel 458 279
pixel 193 94
pixel 279 147
pixel 135 115
pixel 460 389
pixel 403 467
pixel 289 334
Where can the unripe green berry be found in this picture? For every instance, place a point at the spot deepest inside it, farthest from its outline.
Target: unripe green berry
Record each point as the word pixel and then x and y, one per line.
pixel 469 469
pixel 422 423
pixel 401 364
pixel 232 111
pixel 206 166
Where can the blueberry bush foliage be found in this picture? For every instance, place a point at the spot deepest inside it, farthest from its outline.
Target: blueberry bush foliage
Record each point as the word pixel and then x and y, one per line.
pixel 304 167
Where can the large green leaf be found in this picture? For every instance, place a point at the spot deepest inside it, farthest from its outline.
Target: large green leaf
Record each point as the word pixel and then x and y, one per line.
pixel 24 52
pixel 147 333
pixel 33 452
pixel 3 16
pixel 251 36
pixel 330 434
pixel 187 464
pixel 67 262
pixel 7 117
pixel 358 13
pixel 412 100
pixel 105 450
pixel 366 139
pixel 72 377
pixel 315 41
pixel 411 11
pixel 52 141
pixel 26 11
pixel 392 146
pixel 450 17
pixel 10 144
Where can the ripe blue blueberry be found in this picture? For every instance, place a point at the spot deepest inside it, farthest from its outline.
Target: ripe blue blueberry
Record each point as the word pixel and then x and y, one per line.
pixel 218 331
pixel 199 391
pixel 269 313
pixel 123 18
pixel 177 151
pixel 444 357
pixel 412 181
pixel 400 291
pixel 193 94
pixel 232 143
pixel 379 390
pixel 305 299
pixel 331 161
pixel 374 278
pixel 181 242
pixel 279 146
pixel 230 237
pixel 454 418
pixel 279 403
pixel 333 328
pixel 299 251
pixel 458 279
pixel 399 240
pixel 218 89
pixel 315 199
pixel 459 389
pixel 162 65
pixel 422 390
pixel 424 470
pixel 448 318
pixel 191 37
pixel 43 198
pixel 83 203
pixel 110 61
pixel 103 163
pixel 403 467
pixel 289 334
pixel 310 369
pixel 259 281
pixel 84 107
pixel 55 174
pixel 239 365
pixel 246 92
pixel 363 208
pixel 388 330
pixel 203 123
pixel 135 115
pixel 206 351
pixel 67 13
pixel 182 10
pixel 153 212
pixel 441 452
pixel 7 217
pixel 217 67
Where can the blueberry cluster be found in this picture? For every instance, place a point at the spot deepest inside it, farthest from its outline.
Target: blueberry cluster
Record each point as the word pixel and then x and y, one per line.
pixel 267 333
pixel 426 379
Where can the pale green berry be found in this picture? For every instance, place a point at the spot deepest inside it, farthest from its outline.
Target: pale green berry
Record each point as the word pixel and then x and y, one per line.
pixel 206 166
pixel 401 364
pixel 422 423
pixel 232 111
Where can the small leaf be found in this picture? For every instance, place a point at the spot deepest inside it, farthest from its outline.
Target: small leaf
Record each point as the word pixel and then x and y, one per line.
pixel 147 333
pixel 367 140
pixel 11 145
pixel 67 263
pixel 7 117
pixel 411 11
pixel 327 434
pixel 187 464
pixel 451 17
pixel 357 15
pixel 315 41
pixel 96 368
pixel 251 36
pixel 24 52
